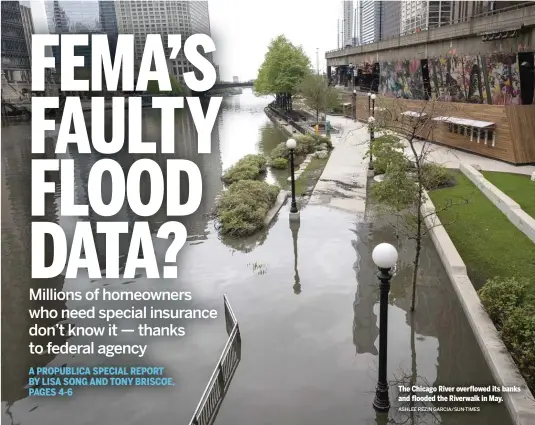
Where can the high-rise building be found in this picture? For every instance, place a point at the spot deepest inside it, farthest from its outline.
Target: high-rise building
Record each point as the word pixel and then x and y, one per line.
pixel 163 17
pixel 27 24
pixel 235 79
pixel 15 55
pixel 87 17
pixel 390 19
pixel 370 21
pixel 346 24
pixel 421 15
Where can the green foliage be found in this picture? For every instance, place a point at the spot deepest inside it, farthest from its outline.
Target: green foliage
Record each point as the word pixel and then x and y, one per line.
pixel 154 88
pixel 305 144
pixel 284 67
pixel 518 334
pixel 243 207
pixel 386 150
pixel 435 176
pixel 510 303
pixel 317 94
pixel 501 296
pixel 397 190
pixel 279 163
pixel 250 167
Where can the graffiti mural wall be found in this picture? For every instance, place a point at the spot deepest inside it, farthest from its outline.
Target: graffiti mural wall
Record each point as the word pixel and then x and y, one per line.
pixel 492 79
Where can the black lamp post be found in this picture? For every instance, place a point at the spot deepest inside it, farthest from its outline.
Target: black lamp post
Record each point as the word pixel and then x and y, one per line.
pixel 369 103
pixel 385 257
pixel 291 144
pixel 373 97
pixel 371 124
pixel 354 105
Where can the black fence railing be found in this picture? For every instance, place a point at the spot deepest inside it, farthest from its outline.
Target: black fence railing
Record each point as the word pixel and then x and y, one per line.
pixel 214 393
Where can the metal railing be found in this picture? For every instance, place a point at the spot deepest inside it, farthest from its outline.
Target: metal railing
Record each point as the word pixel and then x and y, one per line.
pixel 214 393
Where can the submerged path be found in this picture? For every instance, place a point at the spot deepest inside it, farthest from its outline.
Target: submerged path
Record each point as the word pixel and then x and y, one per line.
pixel 343 182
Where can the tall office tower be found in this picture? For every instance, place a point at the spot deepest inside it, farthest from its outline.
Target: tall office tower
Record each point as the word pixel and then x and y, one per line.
pixel 71 17
pixel 163 17
pixel 108 22
pixel 27 24
pixel 422 15
pixel 346 24
pixel 390 16
pixel 370 21
pixel 465 10
pixel 15 55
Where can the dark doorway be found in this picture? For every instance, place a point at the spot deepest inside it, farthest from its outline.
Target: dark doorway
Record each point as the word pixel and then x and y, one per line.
pixel 376 75
pixel 527 74
pixel 426 78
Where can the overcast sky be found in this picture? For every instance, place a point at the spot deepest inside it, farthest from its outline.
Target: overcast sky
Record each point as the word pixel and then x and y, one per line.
pixel 242 30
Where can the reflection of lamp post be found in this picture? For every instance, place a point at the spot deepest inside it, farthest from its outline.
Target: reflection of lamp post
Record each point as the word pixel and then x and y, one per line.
pixel 385 257
pixel 371 124
pixel 369 103
pixel 373 97
pixel 294 227
pixel 291 144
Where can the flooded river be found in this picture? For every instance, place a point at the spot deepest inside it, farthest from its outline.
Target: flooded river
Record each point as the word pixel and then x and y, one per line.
pixel 306 302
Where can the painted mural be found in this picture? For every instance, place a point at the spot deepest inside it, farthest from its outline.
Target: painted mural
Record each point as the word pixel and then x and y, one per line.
pixel 492 79
pixel 502 80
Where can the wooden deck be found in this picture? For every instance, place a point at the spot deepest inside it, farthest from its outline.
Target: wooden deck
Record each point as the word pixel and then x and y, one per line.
pixel 506 133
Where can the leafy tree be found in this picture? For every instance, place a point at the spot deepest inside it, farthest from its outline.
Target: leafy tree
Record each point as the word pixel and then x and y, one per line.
pixel 317 94
pixel 154 88
pixel 284 67
pixel 408 173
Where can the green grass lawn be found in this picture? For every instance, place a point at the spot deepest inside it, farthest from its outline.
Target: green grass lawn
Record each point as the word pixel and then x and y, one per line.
pixel 519 187
pixel 489 244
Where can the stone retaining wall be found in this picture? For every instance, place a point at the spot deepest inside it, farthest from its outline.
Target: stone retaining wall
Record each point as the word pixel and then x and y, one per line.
pixel 516 215
pixel 521 405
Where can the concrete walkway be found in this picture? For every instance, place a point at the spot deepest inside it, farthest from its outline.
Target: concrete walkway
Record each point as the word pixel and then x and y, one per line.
pixel 343 182
pixel 452 158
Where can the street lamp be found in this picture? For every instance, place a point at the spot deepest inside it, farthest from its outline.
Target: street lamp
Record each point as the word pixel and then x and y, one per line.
pixel 291 144
pixel 385 257
pixel 354 105
pixel 373 97
pixel 371 124
pixel 369 103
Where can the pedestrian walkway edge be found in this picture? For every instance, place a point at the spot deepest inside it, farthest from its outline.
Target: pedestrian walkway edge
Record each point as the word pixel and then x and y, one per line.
pixel 521 405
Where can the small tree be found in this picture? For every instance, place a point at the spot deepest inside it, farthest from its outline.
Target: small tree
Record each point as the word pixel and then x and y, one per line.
pixel 408 173
pixel 317 94
pixel 284 67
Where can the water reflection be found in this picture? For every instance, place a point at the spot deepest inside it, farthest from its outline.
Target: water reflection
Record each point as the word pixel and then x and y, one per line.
pixel 294 227
pixel 16 273
pixel 434 336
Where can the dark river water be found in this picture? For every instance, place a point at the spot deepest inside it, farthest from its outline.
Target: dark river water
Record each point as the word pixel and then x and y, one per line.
pixel 308 316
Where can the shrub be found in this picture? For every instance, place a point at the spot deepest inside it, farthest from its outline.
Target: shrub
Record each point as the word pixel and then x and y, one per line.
pixel 387 149
pixel 280 151
pixel 518 334
pixel 279 163
pixel 243 207
pixel 319 140
pixel 510 303
pixel 436 176
pixel 501 296
pixel 250 167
